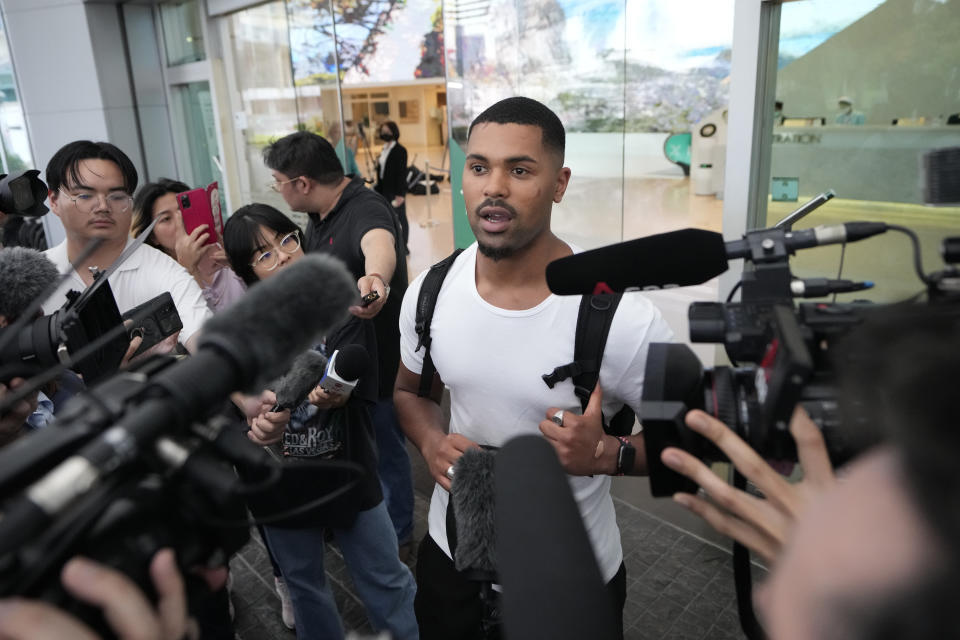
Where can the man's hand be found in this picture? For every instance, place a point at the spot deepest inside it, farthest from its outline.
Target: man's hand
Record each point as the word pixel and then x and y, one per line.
pixel 191 248
pixel 366 284
pixel 764 526
pixel 578 440
pixel 267 427
pixel 323 400
pixel 442 451
pixel 125 607
pixel 12 422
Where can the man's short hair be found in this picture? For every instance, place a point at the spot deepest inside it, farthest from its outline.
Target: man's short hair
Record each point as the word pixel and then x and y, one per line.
pixel 24 275
pixel 304 154
pixel 66 161
pixel 520 110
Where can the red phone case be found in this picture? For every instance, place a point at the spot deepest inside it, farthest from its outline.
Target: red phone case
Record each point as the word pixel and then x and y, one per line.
pixel 202 206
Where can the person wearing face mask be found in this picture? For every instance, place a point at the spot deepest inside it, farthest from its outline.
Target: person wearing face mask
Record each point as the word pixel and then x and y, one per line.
pixel 846 114
pixel 392 174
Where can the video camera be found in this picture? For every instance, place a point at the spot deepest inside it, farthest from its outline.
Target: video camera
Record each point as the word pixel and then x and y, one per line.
pixel 783 352
pixel 789 351
pixel 23 194
pixel 49 340
pixel 155 456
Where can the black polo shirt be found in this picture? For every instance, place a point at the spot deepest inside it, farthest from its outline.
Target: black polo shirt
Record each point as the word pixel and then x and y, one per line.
pixel 358 211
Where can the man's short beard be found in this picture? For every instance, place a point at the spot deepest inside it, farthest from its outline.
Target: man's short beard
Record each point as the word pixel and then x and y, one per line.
pixel 495 253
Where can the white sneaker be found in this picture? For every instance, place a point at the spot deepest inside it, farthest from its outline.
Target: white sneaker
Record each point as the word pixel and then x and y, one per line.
pixel 286 606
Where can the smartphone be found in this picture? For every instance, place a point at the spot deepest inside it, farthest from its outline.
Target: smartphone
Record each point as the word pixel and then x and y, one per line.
pixel 202 206
pixel 161 320
pixel 368 299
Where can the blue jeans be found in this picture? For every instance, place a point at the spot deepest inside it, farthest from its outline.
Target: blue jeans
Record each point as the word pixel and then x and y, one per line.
pixel 384 584
pixel 396 478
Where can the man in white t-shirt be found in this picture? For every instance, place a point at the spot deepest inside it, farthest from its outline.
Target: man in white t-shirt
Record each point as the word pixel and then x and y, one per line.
pixel 496 329
pixel 91 185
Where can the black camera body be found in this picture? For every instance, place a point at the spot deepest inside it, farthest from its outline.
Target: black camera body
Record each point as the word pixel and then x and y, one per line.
pixel 787 351
pixel 52 339
pixel 23 194
pixel 134 511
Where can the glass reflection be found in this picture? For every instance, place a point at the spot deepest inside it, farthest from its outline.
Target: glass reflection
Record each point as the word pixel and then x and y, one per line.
pixel 866 88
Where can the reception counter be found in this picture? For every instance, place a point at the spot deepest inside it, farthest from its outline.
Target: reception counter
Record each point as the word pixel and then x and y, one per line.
pixel 858 162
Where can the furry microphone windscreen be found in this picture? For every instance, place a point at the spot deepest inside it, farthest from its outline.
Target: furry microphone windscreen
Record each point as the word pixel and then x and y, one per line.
pixel 472 493
pixel 282 317
pixel 305 372
pixel 24 275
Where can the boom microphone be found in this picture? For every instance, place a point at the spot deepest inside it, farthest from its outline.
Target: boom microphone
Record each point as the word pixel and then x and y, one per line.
pixel 345 368
pixel 674 259
pixel 552 587
pixel 242 347
pixel 685 257
pixel 305 372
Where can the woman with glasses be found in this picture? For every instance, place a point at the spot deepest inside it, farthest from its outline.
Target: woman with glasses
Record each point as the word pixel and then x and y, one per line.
pixel 260 241
pixel 207 263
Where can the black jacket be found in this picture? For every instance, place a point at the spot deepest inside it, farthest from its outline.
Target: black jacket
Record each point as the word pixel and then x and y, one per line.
pixel 394 180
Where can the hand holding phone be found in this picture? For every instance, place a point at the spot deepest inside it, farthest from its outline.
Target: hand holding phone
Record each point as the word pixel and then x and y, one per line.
pixel 199 207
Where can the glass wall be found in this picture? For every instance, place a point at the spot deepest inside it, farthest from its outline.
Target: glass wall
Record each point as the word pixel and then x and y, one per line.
pixel 298 65
pixel 866 87
pixel 630 80
pixel 14 144
pixel 193 109
pixel 265 103
pixel 182 32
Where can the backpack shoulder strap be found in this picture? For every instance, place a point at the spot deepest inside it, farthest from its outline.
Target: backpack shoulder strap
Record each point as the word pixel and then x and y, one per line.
pixel 593 326
pixel 426 303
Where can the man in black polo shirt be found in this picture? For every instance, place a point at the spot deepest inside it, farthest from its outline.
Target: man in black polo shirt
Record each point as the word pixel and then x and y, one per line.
pixel 358 226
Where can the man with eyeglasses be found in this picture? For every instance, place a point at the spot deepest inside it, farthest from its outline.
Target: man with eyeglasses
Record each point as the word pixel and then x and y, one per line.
pixel 91 185
pixel 359 226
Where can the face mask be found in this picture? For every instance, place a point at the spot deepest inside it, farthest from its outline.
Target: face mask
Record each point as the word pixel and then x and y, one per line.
pixel 386 137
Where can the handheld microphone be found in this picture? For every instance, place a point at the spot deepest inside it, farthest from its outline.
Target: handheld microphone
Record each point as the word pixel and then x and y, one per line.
pixel 344 369
pixel 305 372
pixel 552 587
pixel 241 348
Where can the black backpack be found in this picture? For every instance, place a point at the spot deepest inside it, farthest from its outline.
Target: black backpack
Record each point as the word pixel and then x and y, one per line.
pixel 593 326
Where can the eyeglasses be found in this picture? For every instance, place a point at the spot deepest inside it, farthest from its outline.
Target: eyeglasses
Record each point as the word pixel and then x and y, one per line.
pixel 275 185
pixel 270 260
pixel 117 202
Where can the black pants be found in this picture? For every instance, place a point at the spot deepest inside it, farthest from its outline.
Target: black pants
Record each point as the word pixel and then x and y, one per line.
pixel 448 605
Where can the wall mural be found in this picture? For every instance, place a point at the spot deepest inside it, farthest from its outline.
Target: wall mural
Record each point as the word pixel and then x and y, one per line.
pixel 377 40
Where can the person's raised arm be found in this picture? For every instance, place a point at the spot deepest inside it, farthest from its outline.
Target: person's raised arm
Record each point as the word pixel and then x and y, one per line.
pixel 422 421
pixel 380 260
pixel 762 525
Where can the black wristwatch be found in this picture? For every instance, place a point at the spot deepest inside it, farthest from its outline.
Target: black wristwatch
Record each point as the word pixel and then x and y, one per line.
pixel 625 457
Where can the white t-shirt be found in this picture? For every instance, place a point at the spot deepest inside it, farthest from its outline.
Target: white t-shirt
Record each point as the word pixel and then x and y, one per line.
pixel 144 275
pixel 492 361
